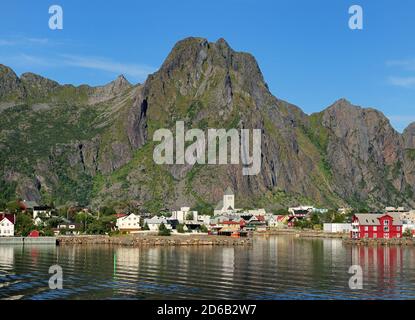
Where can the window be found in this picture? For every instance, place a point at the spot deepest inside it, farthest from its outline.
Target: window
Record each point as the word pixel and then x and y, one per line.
pixel 366 235
pixel 375 228
pixel 385 229
pixel 386 222
pixel 398 235
pixel 398 228
pixel 366 228
pixel 375 236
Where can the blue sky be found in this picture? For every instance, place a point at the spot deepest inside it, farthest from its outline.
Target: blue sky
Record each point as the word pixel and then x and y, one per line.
pixel 305 49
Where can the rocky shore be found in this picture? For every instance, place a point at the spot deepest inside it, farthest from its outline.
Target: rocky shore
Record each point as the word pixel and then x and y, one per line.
pixel 154 240
pixel 303 233
pixel 380 242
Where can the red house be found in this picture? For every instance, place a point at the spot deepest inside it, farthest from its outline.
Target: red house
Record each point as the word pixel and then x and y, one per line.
pixel 376 226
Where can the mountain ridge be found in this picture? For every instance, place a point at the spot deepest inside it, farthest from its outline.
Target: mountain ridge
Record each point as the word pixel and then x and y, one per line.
pixel 342 155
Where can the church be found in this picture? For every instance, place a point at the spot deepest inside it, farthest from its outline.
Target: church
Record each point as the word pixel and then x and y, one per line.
pixel 227 205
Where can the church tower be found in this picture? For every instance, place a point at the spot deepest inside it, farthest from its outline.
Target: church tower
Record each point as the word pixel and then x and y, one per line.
pixel 228 200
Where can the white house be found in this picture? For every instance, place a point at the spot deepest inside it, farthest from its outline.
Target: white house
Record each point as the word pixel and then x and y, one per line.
pixel 7 225
pixel 155 222
pixel 129 223
pixel 257 212
pixel 204 219
pixel 182 214
pixel 40 211
pixel 337 227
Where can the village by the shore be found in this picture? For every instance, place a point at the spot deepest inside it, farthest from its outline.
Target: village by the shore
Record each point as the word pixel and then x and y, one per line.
pixel 226 225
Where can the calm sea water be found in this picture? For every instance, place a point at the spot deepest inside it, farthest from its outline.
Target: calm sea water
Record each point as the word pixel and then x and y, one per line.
pixel 275 267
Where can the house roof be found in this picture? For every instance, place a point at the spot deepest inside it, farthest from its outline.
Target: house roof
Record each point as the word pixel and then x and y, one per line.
pixel 230 222
pixel 219 206
pixel 156 220
pixel 229 192
pixel 372 219
pixel 10 217
pixel 281 218
pixel 30 204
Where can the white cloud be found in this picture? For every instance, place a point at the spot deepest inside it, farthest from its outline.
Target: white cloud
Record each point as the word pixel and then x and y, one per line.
pixel 135 71
pixel 103 64
pixel 23 41
pixel 408 64
pixel 405 82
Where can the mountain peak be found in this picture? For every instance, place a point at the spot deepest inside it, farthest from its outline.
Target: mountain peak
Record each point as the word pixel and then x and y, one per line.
pixel 121 81
pixel 10 85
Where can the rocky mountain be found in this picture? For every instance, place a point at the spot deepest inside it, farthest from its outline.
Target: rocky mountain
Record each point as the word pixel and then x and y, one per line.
pixel 93 145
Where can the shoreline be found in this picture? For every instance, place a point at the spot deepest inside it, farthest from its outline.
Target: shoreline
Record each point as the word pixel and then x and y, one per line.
pixel 380 242
pixel 154 240
pixel 302 233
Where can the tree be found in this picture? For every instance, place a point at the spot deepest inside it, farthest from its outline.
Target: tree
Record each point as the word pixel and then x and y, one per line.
pixel 203 208
pixel 107 211
pixel 53 222
pixel 13 206
pixel 315 219
pixel 189 216
pixel 85 219
pixel 146 226
pixel 180 228
pixel 203 228
pixel 24 224
pixel 339 218
pixel 281 212
pixel 408 233
pixel 163 231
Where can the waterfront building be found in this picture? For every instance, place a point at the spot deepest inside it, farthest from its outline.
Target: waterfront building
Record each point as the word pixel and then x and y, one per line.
pixel 155 222
pixel 7 222
pixel 128 223
pixel 376 226
pixel 277 221
pixel 69 228
pixel 309 209
pixel 337 227
pixel 183 214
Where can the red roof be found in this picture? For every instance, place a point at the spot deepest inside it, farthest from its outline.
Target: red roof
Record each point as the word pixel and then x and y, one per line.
pixel 10 217
pixel 120 215
pixel 230 222
pixel 260 218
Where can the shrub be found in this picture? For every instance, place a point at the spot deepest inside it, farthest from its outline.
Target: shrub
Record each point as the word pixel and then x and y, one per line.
pixel 180 228
pixel 163 231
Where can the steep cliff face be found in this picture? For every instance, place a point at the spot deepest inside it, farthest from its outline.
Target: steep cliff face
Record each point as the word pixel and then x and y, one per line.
pixel 94 145
pixel 365 154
